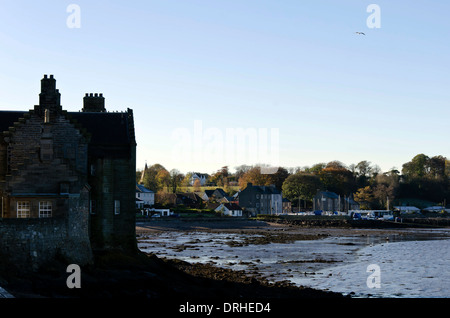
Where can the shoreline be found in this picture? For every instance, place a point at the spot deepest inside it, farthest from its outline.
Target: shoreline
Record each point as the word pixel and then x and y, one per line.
pixel 206 262
pixel 141 275
pixel 267 228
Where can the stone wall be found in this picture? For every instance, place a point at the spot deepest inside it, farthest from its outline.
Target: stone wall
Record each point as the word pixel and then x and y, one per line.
pixel 30 243
pixel 113 182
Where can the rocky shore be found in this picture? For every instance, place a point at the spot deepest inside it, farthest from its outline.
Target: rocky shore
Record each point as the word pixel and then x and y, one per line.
pixel 137 275
pixel 142 276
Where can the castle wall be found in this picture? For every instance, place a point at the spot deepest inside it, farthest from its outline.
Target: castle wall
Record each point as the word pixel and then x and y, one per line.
pixel 113 190
pixel 82 165
pixel 31 243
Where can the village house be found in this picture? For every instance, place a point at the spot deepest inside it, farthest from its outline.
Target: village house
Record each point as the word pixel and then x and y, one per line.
pixel 202 195
pixel 287 205
pixel 326 201
pixel 67 179
pixel 144 197
pixel 230 209
pixel 261 199
pixel 216 194
pixel 189 199
pixel 228 199
pixel 202 177
pixel 332 202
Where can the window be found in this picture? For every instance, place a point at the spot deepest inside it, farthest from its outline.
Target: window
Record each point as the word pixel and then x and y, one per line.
pixel 45 209
pixel 23 209
pixel 92 206
pixel 116 207
pixel 92 169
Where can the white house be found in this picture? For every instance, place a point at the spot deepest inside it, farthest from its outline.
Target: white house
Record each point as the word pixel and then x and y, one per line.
pixel 230 209
pixel 144 196
pixel 203 177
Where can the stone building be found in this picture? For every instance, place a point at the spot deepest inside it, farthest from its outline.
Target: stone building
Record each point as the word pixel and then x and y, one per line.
pixel 67 179
pixel 261 199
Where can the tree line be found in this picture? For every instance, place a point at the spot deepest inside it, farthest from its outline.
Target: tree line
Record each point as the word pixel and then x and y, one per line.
pixel 425 178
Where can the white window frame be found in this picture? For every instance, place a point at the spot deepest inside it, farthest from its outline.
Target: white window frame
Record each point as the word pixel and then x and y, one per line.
pixel 116 207
pixel 23 209
pixel 45 209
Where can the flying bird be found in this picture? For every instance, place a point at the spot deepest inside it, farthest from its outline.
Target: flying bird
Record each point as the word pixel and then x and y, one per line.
pixel 360 33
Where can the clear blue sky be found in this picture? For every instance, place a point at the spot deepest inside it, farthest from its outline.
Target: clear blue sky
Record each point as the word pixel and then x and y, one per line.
pixel 292 66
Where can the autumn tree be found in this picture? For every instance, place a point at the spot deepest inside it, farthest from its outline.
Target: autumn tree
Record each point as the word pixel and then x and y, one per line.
pixel 256 177
pixel 220 178
pixel 175 180
pixel 197 185
pixel 163 179
pixel 155 177
pixel 301 186
pixel 337 178
pixel 364 196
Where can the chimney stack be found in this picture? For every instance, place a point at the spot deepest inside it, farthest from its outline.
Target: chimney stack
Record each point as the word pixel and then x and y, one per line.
pixel 93 103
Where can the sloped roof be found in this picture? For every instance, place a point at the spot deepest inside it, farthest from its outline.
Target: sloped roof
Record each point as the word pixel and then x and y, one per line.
pixel 261 189
pixel 269 190
pixel 188 195
pixel 327 194
pixel 200 175
pixel 142 189
pixel 109 130
pixel 216 191
pixel 105 128
pixel 232 206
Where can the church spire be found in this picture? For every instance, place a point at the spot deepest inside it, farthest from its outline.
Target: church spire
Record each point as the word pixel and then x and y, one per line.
pixel 141 181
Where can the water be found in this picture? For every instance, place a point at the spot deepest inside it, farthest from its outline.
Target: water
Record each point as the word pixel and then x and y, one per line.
pixel 414 264
pixel 406 269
